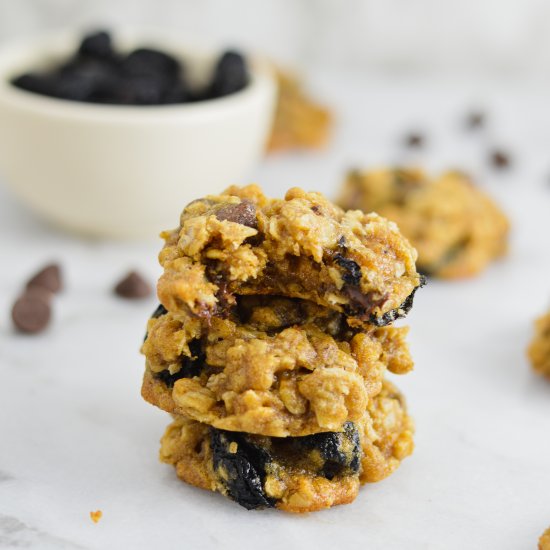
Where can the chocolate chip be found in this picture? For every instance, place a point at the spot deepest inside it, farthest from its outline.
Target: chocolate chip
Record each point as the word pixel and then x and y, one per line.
pixel 500 159
pixel 48 277
pixel 366 302
pixel 243 213
pixel 133 286
pixel 414 140
pixel 475 120
pixel 31 312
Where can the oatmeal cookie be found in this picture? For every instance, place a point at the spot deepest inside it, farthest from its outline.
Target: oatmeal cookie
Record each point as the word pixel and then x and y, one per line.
pixel 456 228
pixel 539 349
pixel 243 243
pixel 299 123
pixel 274 366
pixel 544 541
pixel 294 474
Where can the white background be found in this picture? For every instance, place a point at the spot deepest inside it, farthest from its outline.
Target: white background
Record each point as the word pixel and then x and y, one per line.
pixel 75 435
pixel 496 36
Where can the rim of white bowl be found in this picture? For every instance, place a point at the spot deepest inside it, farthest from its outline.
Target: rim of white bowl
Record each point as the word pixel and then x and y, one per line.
pixel 24 55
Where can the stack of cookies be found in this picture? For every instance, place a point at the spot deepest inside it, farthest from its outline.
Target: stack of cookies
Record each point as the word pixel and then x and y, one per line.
pixel 271 345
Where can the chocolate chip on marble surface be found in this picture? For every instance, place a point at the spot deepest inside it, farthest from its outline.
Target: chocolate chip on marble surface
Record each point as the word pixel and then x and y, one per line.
pixel 500 159
pixel 414 140
pixel 49 277
pixel 31 312
pixel 475 120
pixel 133 286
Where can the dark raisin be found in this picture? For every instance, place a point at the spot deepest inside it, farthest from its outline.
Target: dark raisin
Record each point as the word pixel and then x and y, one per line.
pixel 36 83
pixel 97 44
pixel 143 90
pixel 88 79
pixel 190 366
pixel 242 472
pixel 341 451
pixel 353 271
pixel 243 213
pixel 230 75
pixel 149 62
pixel 389 317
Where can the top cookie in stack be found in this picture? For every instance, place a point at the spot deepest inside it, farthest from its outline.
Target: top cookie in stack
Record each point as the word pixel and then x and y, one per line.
pixel 274 325
pixel 242 243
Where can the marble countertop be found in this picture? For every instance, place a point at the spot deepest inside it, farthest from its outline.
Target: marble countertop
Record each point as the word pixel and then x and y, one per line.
pixel 75 435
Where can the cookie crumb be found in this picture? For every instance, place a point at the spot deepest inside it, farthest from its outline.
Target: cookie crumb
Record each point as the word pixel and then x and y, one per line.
pixel 133 286
pixel 96 516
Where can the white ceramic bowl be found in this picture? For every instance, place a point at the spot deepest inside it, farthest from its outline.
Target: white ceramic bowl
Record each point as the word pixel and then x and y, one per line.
pixel 125 171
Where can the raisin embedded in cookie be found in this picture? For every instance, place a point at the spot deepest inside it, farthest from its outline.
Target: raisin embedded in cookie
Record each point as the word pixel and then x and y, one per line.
pixel 539 349
pixel 295 474
pixel 456 228
pixel 243 243
pixel 299 123
pixel 275 366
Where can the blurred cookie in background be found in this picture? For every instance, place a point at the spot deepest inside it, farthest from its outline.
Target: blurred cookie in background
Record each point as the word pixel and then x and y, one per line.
pixel 539 355
pixel 456 228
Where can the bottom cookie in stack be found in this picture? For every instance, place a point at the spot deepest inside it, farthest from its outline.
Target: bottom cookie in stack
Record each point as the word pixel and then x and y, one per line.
pixel 294 474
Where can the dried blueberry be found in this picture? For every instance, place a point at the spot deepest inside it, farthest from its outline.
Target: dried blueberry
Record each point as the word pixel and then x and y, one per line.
pixel 341 451
pixel 230 75
pixel 190 366
pixel 241 468
pixel 389 317
pixel 353 271
pixel 37 83
pixel 98 45
pixel 152 63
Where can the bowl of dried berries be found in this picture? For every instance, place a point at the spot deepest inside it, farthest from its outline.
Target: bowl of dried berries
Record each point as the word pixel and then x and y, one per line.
pixel 110 138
